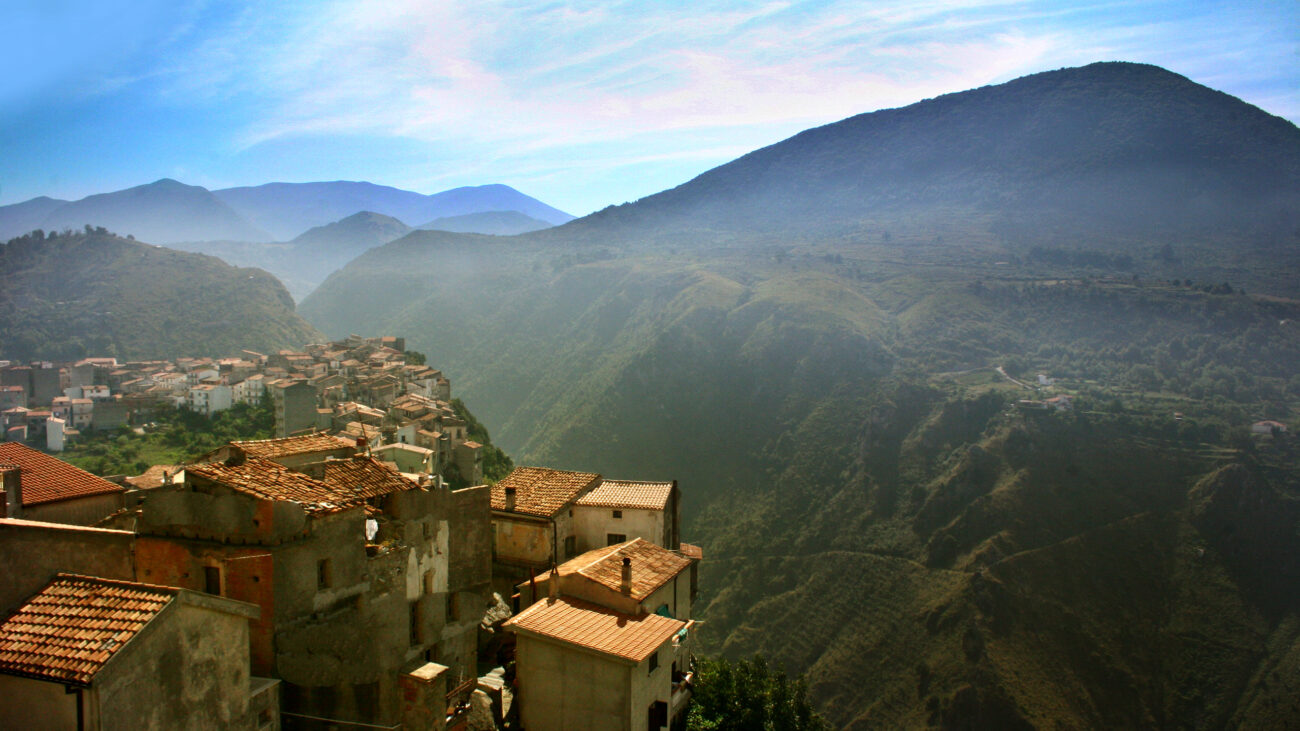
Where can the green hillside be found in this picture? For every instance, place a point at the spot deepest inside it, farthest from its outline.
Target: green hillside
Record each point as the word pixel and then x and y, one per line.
pixel 92 293
pixel 875 511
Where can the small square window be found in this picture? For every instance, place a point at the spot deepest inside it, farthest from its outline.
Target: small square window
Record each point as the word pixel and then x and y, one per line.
pixel 614 538
pixel 618 513
pixel 654 662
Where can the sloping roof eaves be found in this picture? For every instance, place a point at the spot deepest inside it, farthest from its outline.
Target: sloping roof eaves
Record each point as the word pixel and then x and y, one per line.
pixel 46 479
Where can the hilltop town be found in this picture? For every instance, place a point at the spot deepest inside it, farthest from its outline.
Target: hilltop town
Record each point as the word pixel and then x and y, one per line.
pixel 352 571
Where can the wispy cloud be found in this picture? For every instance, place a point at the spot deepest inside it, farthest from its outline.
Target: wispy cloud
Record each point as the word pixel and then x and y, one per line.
pixel 551 87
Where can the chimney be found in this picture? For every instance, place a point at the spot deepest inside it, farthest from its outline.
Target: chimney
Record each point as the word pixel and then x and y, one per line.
pixel 510 498
pixel 625 585
pixel 553 584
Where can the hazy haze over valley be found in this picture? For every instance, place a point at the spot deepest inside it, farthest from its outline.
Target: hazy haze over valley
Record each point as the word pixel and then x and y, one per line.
pixel 956 339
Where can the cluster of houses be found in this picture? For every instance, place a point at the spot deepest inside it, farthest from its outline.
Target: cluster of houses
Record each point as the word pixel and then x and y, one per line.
pixel 322 580
pixel 362 387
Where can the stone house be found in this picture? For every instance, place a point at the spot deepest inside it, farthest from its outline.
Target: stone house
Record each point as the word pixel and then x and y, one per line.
pixel 584 667
pixel 532 517
pixel 295 406
pixel 40 487
pixel 611 627
pixel 660 581
pixel 619 510
pixel 362 576
pixel 94 653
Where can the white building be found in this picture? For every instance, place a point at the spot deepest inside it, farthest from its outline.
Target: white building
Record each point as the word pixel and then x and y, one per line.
pixel 209 398
pixel 617 511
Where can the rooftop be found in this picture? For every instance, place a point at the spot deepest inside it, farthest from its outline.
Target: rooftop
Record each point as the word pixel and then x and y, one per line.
pixel 288 446
pixel 652 566
pixel 365 477
pixel 541 491
pixel 628 494
pixel 45 479
pixel 72 627
pixel 594 627
pixel 267 480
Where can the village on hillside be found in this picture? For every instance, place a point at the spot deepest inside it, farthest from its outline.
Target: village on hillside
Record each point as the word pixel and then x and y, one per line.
pixel 332 576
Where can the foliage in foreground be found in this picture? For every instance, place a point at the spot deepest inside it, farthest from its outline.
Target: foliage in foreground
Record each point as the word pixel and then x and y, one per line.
pixel 749 694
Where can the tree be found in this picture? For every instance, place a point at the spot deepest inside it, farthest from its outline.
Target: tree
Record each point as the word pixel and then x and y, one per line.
pixel 415 357
pixel 747 695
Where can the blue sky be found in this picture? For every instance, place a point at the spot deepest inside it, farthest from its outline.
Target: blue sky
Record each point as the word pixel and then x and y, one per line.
pixel 582 105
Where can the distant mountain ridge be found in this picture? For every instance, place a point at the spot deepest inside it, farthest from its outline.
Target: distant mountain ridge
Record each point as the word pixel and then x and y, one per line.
pixel 165 211
pixel 168 212
pixel 289 209
pixel 1109 151
pixel 497 223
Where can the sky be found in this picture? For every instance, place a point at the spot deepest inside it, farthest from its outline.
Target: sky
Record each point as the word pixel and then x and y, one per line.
pixel 579 104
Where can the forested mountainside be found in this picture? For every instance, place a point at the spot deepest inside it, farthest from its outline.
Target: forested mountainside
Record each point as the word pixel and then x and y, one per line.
pixel 92 293
pixel 875 508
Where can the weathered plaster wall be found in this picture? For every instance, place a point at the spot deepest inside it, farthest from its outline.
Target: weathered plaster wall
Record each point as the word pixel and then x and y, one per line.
pixel 566 689
pixel 34 552
pixel 522 541
pixel 82 511
pixel 36 705
pixel 217 513
pixel 649 686
pixel 187 669
pixel 592 525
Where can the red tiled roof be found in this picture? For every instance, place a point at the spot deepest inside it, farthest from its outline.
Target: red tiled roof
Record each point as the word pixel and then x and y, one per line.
pixel 691 551
pixel 45 479
pixel 267 480
pixel 153 477
pixel 628 494
pixel 594 627
pixel 68 630
pixel 652 566
pixel 540 490
pixel 284 447
pixel 365 477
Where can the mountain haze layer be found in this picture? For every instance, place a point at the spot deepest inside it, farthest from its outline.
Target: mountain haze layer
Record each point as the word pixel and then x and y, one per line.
pixel 825 342
pixel 164 212
pixel 498 223
pixel 290 209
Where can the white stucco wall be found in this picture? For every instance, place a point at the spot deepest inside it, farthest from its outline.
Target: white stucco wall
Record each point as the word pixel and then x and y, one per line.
pixel 592 525
pixel 567 689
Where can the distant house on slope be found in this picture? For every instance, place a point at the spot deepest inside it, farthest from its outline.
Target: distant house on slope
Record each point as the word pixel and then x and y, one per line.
pixel 1268 426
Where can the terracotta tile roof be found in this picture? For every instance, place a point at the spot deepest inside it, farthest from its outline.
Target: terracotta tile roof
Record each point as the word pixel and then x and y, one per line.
pixel 68 630
pixel 267 480
pixel 48 480
pixel 365 477
pixel 691 551
pixel 652 566
pixel 542 491
pixel 628 494
pixel 287 446
pixel 594 627
pixel 153 477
